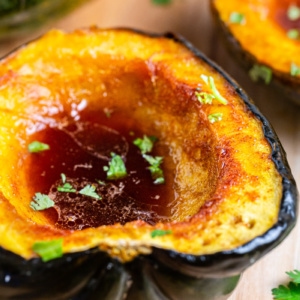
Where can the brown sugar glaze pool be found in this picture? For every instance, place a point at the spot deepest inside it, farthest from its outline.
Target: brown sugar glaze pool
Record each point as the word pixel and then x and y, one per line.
pixel 80 150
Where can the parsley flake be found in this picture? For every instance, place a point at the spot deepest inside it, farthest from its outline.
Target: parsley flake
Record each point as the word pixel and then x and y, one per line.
pixel 36 146
pixel 294 70
pixel 63 177
pixel 116 168
pixel 41 202
pixel 216 117
pixel 67 188
pixel 211 83
pixel 108 112
pixel 145 144
pixel 291 291
pixel 161 2
pixel 293 34
pixel 204 98
pixel 90 191
pixel 261 72
pixel 160 232
pixel 293 12
pixel 48 250
pixel 101 182
pixel 155 170
pixel 237 18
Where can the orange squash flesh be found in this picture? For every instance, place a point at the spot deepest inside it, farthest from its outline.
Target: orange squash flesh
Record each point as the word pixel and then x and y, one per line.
pixel 222 183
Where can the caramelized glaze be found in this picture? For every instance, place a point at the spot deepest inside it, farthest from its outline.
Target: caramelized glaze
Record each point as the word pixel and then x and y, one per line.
pixel 80 150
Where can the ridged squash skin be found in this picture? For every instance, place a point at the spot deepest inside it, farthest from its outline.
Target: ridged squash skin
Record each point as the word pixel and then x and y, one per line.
pixel 229 184
pixel 264 37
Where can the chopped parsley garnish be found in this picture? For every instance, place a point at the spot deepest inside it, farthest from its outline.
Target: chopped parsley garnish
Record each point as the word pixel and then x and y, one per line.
pixel 116 168
pixel 90 191
pixel 216 117
pixel 160 232
pixel 204 98
pixel 48 250
pixel 145 144
pixel 161 2
pixel 293 12
pixel 108 112
pixel 293 34
pixel 261 72
pixel 291 291
pixel 36 146
pixel 215 93
pixel 41 202
pixel 237 18
pixel 63 177
pixel 67 188
pixel 101 182
pixel 294 70
pixel 156 172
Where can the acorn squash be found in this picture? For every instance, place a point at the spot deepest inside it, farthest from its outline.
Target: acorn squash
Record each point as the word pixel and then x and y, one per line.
pixel 265 37
pixel 132 166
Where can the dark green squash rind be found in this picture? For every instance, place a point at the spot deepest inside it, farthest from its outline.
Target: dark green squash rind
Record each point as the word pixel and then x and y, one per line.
pixel 17 275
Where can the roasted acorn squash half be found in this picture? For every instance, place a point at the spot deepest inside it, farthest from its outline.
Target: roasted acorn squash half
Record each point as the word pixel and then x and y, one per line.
pixel 265 38
pixel 132 166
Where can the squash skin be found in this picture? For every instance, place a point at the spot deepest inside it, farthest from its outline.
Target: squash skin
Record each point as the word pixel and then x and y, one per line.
pixel 251 47
pixel 221 270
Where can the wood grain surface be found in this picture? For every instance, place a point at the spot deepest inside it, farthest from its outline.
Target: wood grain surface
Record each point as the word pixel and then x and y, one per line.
pixel 191 19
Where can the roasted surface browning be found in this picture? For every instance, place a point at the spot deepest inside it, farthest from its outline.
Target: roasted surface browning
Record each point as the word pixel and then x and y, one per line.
pixel 223 186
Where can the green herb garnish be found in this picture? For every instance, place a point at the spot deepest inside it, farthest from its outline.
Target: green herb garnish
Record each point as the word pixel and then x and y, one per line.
pixel 156 172
pixel 204 98
pixel 101 182
pixel 67 188
pixel 216 117
pixel 211 83
pixel 293 34
pixel 63 177
pixel 294 70
pixel 108 112
pixel 37 146
pixel 145 144
pixel 261 72
pixel 293 12
pixel 161 2
pixel 294 275
pixel 41 202
pixel 237 18
pixel 291 291
pixel 160 232
pixel 90 191
pixel 48 250
pixel 116 168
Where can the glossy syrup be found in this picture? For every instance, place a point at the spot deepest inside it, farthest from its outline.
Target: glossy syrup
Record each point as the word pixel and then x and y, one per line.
pixel 80 150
